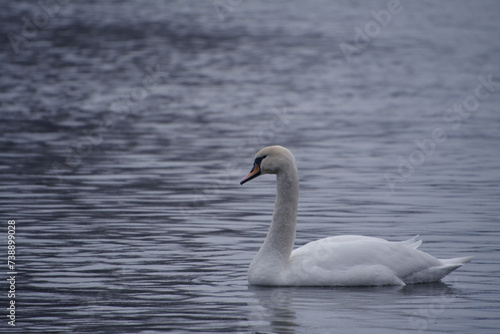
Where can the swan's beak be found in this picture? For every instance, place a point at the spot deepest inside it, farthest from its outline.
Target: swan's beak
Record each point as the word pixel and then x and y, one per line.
pixel 253 173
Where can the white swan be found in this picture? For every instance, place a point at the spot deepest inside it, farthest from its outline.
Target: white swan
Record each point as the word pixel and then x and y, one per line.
pixel 347 260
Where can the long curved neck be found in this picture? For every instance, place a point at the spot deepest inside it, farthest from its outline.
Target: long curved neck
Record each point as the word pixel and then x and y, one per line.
pixel 281 236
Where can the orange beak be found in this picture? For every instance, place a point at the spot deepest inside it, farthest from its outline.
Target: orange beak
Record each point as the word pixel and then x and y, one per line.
pixel 252 175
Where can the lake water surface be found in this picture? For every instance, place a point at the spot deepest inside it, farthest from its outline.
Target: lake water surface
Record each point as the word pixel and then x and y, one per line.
pixel 127 125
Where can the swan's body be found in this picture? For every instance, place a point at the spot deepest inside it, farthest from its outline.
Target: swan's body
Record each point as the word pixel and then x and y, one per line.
pixel 347 260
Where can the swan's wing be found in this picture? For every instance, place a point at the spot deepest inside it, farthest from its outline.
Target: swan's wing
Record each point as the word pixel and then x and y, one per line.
pixel 351 250
pixel 358 260
pixel 344 238
pixel 414 242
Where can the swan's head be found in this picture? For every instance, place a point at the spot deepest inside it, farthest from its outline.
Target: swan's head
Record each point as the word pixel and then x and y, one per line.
pixel 270 160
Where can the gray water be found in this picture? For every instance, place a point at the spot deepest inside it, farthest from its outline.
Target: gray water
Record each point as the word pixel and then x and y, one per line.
pixel 127 125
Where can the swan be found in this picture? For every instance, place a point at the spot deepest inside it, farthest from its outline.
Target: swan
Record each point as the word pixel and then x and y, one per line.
pixel 346 260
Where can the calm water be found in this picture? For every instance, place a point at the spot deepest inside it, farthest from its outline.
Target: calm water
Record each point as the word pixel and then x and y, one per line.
pixel 127 125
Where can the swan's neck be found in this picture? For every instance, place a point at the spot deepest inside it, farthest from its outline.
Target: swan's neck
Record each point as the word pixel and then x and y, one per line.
pixel 281 236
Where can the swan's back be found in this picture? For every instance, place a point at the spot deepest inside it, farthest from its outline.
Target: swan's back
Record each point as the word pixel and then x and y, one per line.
pixel 358 260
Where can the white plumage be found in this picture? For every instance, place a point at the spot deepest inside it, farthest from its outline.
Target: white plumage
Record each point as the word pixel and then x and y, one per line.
pixel 347 260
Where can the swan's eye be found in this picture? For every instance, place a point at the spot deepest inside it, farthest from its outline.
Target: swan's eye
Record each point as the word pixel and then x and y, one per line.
pixel 259 159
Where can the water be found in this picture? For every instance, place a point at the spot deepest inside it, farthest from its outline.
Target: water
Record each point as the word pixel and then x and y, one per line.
pixel 127 125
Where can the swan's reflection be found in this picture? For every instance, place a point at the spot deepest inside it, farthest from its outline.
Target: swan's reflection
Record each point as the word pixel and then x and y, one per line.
pixel 272 309
pixel 290 309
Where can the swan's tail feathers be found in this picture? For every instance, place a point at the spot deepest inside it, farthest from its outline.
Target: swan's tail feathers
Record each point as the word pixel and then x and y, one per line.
pixel 414 242
pixel 434 274
pixel 457 262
